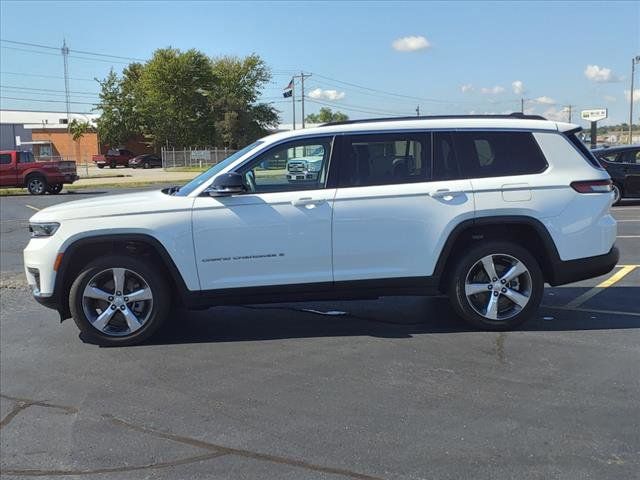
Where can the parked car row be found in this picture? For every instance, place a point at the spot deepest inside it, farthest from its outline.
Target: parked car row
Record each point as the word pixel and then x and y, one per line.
pixel 623 165
pixel 120 157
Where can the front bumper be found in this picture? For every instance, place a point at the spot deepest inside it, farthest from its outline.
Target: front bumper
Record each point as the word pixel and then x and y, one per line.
pixel 570 271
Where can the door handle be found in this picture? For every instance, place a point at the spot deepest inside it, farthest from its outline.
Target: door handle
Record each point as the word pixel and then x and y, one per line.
pixel 301 202
pixel 445 192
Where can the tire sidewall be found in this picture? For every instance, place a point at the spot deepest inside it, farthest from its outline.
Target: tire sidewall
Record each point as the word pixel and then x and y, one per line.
pixel 154 278
pixel 457 287
pixel 618 191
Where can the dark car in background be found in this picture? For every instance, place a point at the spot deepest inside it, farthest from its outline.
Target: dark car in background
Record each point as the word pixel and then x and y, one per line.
pixel 623 165
pixel 148 160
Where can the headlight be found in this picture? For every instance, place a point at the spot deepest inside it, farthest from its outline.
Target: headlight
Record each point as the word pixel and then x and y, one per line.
pixel 314 167
pixel 43 229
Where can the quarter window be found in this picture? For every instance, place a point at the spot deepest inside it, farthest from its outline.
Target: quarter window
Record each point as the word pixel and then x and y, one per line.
pixel 497 154
pixel 297 165
pixel 385 159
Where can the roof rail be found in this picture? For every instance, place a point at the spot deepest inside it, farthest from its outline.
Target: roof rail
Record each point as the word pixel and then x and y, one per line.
pixel 514 115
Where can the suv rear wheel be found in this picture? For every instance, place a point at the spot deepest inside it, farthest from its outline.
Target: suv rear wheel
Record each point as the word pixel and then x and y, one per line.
pixel 119 300
pixel 496 286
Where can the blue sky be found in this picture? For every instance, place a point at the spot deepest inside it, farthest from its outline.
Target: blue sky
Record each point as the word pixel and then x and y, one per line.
pixel 563 53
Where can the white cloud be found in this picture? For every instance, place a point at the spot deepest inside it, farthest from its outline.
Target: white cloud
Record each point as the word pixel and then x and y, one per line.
pixel 636 95
pixel 610 98
pixel 412 43
pixel 492 90
pixel 544 100
pixel 467 87
pixel 320 94
pixel 600 74
pixel 518 87
pixel 558 115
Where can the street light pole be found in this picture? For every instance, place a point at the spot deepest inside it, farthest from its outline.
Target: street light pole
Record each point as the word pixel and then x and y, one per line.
pixel 634 60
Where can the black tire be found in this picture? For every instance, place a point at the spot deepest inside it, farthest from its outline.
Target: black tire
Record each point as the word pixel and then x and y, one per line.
pixel 617 194
pixel 100 165
pixel 112 165
pixel 54 189
pixel 145 165
pixel 531 285
pixel 36 184
pixel 157 313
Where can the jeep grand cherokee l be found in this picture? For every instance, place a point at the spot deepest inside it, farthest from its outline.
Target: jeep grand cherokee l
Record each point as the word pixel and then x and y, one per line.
pixel 485 209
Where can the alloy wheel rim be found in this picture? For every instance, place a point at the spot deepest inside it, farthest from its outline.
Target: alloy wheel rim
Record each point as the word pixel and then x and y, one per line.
pixel 36 185
pixel 498 287
pixel 616 194
pixel 117 301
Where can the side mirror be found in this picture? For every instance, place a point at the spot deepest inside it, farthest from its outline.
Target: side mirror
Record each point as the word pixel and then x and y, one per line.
pixel 227 184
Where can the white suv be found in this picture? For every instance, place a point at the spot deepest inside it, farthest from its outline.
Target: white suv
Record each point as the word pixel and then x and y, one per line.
pixel 486 209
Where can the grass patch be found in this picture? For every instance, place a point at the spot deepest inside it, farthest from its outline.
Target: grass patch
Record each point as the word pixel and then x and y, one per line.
pixel 23 191
pixel 186 169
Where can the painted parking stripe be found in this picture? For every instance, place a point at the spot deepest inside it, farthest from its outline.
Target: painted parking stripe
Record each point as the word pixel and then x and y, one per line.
pixel 33 208
pixel 628 236
pixel 616 277
pixel 592 310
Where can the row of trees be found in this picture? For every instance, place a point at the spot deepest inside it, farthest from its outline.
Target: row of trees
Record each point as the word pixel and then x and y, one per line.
pixel 326 115
pixel 186 98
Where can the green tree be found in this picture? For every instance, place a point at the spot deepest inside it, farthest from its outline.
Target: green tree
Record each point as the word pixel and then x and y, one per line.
pixel 326 115
pixel 117 122
pixel 78 129
pixel 239 118
pixel 185 98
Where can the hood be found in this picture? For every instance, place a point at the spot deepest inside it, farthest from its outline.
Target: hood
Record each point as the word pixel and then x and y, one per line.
pixel 108 205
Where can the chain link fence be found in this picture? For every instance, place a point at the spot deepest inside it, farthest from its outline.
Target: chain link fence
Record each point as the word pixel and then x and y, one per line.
pixel 193 157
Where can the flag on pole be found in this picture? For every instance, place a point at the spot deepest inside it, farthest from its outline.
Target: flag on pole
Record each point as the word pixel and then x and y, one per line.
pixel 288 90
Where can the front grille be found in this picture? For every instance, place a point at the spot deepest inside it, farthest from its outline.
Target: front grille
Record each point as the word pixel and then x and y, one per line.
pixel 297 167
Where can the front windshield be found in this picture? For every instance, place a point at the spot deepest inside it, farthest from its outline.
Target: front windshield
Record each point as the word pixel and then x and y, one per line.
pixel 213 171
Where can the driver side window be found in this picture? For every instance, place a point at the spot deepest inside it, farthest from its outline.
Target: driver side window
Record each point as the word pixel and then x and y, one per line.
pixel 296 165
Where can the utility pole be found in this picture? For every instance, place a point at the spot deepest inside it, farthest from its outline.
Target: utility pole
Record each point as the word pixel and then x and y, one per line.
pixel 569 111
pixel 634 60
pixel 302 76
pixel 65 58
pixel 418 111
pixel 522 105
pixel 293 100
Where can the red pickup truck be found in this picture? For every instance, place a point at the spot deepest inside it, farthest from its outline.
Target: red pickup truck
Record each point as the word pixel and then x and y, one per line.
pixel 114 157
pixel 19 169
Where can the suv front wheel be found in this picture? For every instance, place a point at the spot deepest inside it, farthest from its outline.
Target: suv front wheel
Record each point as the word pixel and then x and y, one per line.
pixel 119 300
pixel 496 286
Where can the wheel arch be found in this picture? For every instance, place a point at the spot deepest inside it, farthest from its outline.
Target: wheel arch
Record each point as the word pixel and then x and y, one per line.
pixel 527 231
pixel 81 251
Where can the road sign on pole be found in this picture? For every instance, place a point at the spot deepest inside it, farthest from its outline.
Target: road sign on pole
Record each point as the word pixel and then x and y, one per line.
pixel 594 115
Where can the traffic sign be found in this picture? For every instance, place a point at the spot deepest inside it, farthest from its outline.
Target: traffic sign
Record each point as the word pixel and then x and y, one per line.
pixel 594 115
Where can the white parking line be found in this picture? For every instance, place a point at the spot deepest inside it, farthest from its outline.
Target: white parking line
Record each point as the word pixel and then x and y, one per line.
pixel 33 208
pixel 628 236
pixel 627 220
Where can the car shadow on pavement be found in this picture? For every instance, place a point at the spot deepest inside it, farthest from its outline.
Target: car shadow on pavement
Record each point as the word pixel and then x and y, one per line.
pixel 387 317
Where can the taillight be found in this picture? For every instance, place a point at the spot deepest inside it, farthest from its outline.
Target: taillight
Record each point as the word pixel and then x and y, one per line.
pixel 592 186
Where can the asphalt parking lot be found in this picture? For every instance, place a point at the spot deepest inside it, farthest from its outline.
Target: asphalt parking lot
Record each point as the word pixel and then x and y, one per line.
pixel 396 388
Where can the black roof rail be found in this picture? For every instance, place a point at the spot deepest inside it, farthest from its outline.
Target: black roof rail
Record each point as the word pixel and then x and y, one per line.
pixel 517 115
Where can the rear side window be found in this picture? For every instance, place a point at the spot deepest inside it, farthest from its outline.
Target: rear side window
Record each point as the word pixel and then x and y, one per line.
pixel 445 161
pixel 5 158
pixel 498 154
pixel 631 156
pixel 25 157
pixel 385 159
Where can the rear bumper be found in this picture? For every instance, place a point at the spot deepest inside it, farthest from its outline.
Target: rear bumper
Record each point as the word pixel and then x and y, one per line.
pixel 62 178
pixel 582 268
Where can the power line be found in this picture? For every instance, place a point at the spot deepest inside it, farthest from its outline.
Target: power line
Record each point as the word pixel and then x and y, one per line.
pixel 46 90
pixel 47 101
pixel 84 52
pixel 20 74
